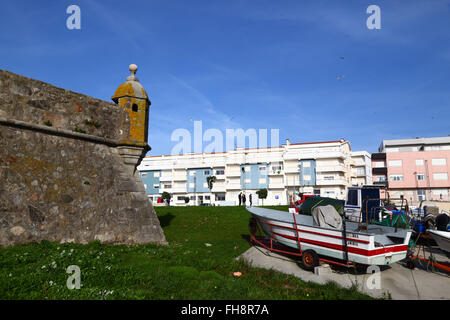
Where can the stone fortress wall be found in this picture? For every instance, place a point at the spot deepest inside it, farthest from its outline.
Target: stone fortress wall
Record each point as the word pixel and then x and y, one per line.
pixel 66 172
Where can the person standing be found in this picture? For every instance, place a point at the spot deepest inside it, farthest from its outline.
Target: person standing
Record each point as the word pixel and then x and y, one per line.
pixel 243 199
pixel 240 198
pixel 250 199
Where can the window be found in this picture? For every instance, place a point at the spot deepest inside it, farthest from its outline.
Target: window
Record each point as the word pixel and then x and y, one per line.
pixel 276 168
pixel 167 186
pixel 220 172
pixel 205 185
pixel 247 168
pixel 329 193
pixel 317 192
pixel 207 198
pixel 180 198
pixel 438 162
pixel 156 174
pixel 145 186
pixel 262 168
pixel 396 177
pixel 419 162
pixel 380 178
pixel 307 177
pixel 191 185
pixel 421 195
pixel 192 198
pixel 328 178
pixel 207 172
pixel 360 171
pixel 440 176
pixel 420 176
pixel 156 186
pixel 247 181
pixel 438 192
pixel 134 107
pixel 143 175
pixel 352 197
pixel 262 181
pixel 306 164
pixel 192 173
pixel 220 197
pixel 395 163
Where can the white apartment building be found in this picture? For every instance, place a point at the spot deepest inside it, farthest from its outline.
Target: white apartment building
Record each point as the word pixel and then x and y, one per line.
pixel 320 168
pixel 361 168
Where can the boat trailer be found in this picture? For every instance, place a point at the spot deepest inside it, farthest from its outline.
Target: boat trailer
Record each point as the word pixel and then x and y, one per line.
pixel 419 254
pixel 310 259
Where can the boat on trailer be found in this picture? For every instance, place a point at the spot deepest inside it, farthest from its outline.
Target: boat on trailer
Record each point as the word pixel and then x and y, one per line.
pixel 442 239
pixel 374 245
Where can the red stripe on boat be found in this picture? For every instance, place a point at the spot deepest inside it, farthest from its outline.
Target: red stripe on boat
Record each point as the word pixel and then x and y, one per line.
pixel 363 252
pixel 318 233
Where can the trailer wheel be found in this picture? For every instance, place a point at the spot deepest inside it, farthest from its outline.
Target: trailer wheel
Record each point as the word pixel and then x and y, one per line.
pixel 310 259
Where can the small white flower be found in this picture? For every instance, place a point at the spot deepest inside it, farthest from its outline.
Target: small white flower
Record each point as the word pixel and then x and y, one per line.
pixel 10 274
pixel 44 266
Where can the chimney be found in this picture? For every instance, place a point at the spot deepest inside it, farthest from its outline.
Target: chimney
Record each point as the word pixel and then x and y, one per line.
pixel 288 142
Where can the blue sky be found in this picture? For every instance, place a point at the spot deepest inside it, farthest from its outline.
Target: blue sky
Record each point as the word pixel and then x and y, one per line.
pixel 249 64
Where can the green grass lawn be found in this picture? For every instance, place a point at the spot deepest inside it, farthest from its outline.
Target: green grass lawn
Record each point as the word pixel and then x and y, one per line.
pixel 198 263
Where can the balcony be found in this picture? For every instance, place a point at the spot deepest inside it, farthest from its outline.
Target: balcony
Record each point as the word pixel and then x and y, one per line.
pixel 233 173
pixel 179 190
pixel 381 183
pixel 334 168
pixel 291 169
pixel 179 177
pixel 233 186
pixel 379 171
pixel 323 182
pixel 378 156
pixel 276 173
pixel 218 188
pixel 276 185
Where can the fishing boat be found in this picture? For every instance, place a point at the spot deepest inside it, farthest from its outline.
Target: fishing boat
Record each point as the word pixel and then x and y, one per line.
pixel 317 236
pixel 442 239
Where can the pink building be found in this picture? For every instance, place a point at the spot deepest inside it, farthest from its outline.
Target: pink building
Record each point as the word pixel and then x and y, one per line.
pixel 417 168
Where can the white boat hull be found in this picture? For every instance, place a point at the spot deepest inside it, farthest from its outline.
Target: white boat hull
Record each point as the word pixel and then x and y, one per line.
pixel 442 238
pixel 362 248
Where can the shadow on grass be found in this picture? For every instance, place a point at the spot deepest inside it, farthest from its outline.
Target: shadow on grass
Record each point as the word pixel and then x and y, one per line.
pixel 166 219
pixel 246 237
